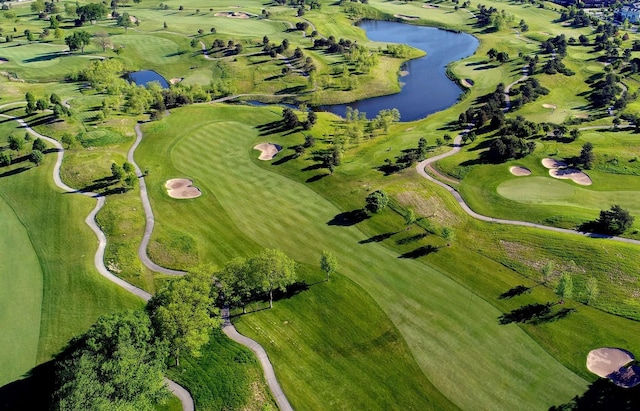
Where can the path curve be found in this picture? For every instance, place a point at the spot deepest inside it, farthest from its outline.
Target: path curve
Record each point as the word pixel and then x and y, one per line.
pixel 261 354
pixel 150 221
pixel 420 168
pixel 175 388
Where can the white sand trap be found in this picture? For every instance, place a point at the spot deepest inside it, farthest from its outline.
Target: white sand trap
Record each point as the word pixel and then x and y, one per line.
pixel 576 175
pixel 611 363
pixel 176 80
pixel 581 115
pixel 268 150
pixel 551 163
pixel 3 60
pixel 429 6
pixel 405 17
pixel 233 14
pixel 550 106
pixel 181 188
pixel 520 171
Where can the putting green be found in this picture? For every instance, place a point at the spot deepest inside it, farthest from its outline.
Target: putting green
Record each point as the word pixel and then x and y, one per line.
pixel 550 191
pixel 439 319
pixel 20 297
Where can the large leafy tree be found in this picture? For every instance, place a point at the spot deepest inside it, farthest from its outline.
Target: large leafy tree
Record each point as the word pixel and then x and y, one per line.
pixel 614 221
pixel 118 364
pixel 78 40
pixel 376 201
pixel 236 283
pixel 183 313
pixel 274 271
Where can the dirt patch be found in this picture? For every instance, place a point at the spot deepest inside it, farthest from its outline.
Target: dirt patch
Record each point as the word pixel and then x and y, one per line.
pixel 581 116
pixel 576 175
pixel 552 106
pixel 181 188
pixel 267 150
pixel 612 363
pixel 429 6
pixel 176 80
pixel 520 171
pixel 405 17
pixel 552 163
pixel 233 14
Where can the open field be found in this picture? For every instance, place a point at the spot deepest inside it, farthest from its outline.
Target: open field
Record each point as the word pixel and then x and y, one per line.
pixel 406 290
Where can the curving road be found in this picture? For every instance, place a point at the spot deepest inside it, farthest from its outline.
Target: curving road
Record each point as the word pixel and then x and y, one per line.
pixel 175 388
pixel 261 354
pixel 150 221
pixel 428 164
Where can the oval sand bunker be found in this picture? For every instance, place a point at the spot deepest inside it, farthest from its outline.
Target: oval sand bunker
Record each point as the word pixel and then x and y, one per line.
pixel 181 188
pixel 577 176
pixel 268 150
pixel 520 171
pixel 612 363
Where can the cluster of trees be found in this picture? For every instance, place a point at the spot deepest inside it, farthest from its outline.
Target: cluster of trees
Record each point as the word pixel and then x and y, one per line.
pixel 125 173
pixel 527 91
pixel 291 121
pixel 91 12
pixel 43 103
pixel 220 45
pixel 509 147
pixel 557 45
pixel 17 144
pixel 78 40
pixel 605 91
pixel 408 157
pixel 492 17
pixel 332 45
pixel 490 110
pixel 614 221
pixel 244 280
pixel 500 56
pixel 578 17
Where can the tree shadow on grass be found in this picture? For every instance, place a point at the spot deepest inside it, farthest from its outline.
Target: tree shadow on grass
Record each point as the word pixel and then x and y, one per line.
pixel 292 290
pixel 515 291
pixel 317 177
pixel 14 171
pixel 377 238
pixel 420 252
pixel 411 239
pixel 603 395
pixel 534 314
pixel 349 218
pixel 283 160
pixel 31 393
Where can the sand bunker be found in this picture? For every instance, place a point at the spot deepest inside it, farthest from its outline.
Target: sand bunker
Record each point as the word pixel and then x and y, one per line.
pixel 612 363
pixel 581 115
pixel 405 17
pixel 520 171
pixel 181 188
pixel 233 14
pixel 467 82
pixel 176 80
pixel 268 150
pixel 3 60
pixel 550 106
pixel 576 175
pixel 429 6
pixel 552 163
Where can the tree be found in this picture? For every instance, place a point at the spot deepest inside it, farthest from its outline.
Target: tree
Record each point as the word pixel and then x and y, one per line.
pixel 492 53
pixel 68 140
pixel 565 286
pixel 448 235
pixel 78 40
pixel 328 263
pixel 103 40
pixel 290 118
pixel 124 20
pixel 502 57
pixel 183 314
pixel 39 145
pixel 592 291
pixel 376 201
pixel 236 283
pixel 91 12
pixel 36 157
pixel 42 104
pixel 586 155
pixel 15 143
pixel 5 158
pixel 117 172
pixel 410 217
pixel 274 271
pixel 128 167
pixel 546 271
pixel 614 221
pixel 118 364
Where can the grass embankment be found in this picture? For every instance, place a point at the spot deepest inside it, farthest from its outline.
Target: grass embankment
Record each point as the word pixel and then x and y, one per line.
pixel 63 291
pixel 436 317
pixel 226 377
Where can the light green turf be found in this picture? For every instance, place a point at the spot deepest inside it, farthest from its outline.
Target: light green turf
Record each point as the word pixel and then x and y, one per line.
pixel 438 318
pixel 20 299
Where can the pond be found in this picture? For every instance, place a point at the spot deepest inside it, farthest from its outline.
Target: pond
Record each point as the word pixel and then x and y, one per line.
pixel 144 77
pixel 426 89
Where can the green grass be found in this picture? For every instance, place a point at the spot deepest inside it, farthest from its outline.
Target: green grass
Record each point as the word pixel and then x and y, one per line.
pixel 21 297
pixel 226 376
pixel 67 292
pixel 437 317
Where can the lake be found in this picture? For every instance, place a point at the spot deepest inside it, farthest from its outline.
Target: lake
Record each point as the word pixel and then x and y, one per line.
pixel 144 77
pixel 426 89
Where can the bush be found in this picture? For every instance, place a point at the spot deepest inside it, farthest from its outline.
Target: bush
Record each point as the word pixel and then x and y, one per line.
pixel 376 201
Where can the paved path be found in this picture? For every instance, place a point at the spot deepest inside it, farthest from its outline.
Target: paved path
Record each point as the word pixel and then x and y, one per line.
pixel 146 205
pixel 269 374
pixel 180 392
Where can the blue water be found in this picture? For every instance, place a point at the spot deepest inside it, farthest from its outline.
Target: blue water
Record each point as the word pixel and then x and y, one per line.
pixel 144 77
pixel 426 89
